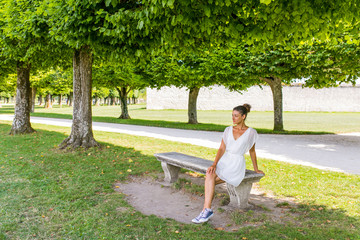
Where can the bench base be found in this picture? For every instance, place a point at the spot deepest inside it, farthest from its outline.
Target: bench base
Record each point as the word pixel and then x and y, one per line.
pixel 171 173
pixel 239 196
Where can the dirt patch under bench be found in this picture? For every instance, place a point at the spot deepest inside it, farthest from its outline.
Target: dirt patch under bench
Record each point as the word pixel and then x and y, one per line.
pixel 148 196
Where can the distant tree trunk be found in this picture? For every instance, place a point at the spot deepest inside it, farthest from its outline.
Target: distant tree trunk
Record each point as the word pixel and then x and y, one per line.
pixel 112 101
pixel 48 102
pixel 0 103
pixel 192 112
pixel 81 130
pixel 33 99
pixel 70 101
pixel 123 92
pixel 97 101
pixel 60 100
pixel 40 100
pixel 21 123
pixel 276 89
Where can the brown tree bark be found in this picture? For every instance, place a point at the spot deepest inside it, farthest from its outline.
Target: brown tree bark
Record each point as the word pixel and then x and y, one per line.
pixel 71 96
pixel 112 101
pixel 81 130
pixel 60 100
pixel 33 99
pixel 97 101
pixel 40 100
pixel 123 92
pixel 192 110
pixel 21 123
pixel 276 89
pixel 48 102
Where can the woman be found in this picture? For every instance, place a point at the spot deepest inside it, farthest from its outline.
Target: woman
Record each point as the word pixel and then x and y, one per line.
pixel 229 164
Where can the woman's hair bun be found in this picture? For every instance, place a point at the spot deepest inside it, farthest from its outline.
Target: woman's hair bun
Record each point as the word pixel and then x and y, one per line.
pixel 247 106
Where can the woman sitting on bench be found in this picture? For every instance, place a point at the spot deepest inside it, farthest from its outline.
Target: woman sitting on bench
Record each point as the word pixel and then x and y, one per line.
pixel 229 164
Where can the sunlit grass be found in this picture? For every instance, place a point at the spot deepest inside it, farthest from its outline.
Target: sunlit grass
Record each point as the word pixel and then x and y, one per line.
pixel 294 122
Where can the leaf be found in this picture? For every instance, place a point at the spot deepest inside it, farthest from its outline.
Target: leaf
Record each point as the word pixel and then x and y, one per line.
pixel 267 2
pixel 170 3
pixel 207 11
pixel 107 2
pixel 141 25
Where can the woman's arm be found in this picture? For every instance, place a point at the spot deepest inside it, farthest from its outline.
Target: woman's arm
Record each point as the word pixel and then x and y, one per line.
pixel 219 154
pixel 254 160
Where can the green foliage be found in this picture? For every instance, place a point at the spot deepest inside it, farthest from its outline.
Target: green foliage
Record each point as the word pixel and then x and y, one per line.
pixel 116 75
pixel 319 64
pixel 24 34
pixel 54 81
pixel 193 70
pixel 139 29
pixel 100 92
pixel 328 65
pixel 8 86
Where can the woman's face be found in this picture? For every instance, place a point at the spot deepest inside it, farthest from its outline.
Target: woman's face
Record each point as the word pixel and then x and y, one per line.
pixel 237 117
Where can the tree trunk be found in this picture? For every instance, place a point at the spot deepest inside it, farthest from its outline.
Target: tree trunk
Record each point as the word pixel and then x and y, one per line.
pixel 21 123
pixel 33 99
pixel 70 102
pixel 276 89
pixel 192 112
pixel 60 100
pixel 48 102
pixel 123 92
pixel 112 101
pixel 40 100
pixel 81 130
pixel 97 101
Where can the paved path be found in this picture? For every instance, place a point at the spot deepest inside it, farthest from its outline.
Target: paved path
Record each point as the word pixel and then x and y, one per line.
pixel 332 152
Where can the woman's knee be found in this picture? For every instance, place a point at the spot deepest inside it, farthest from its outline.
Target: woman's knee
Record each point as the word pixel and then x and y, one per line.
pixel 211 176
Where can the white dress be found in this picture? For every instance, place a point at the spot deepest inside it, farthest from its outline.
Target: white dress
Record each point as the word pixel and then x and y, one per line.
pixel 231 166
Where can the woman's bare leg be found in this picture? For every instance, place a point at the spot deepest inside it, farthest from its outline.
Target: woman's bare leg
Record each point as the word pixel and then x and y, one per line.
pixel 210 181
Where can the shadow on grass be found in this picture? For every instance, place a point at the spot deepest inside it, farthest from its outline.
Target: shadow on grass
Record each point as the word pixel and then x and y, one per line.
pixel 48 194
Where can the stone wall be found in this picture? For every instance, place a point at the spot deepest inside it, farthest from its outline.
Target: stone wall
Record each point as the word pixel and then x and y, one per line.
pixel 296 98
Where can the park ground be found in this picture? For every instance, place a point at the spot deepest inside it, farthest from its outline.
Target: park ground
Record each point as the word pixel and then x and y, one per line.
pixel 50 194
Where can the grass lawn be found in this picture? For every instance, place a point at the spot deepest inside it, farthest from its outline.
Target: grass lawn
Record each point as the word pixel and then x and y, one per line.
pixel 294 122
pixel 49 194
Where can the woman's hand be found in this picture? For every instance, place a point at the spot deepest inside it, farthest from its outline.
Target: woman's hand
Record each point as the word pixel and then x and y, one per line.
pixel 259 171
pixel 211 169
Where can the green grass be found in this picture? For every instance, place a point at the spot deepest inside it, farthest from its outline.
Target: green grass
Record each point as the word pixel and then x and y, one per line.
pixel 294 122
pixel 48 194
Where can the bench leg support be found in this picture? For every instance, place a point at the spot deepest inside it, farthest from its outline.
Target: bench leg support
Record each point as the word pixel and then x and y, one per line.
pixel 171 172
pixel 239 196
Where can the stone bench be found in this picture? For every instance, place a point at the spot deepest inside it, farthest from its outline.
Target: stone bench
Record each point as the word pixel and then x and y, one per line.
pixel 172 162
